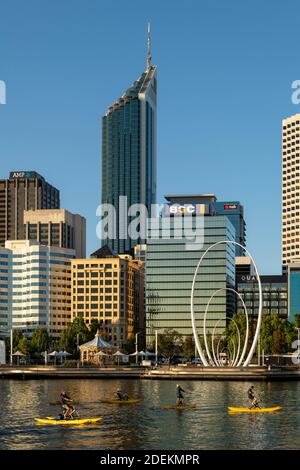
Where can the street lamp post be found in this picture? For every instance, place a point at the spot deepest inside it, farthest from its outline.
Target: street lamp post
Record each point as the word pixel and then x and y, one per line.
pixel 298 345
pixel 11 346
pixel 136 347
pixel 156 347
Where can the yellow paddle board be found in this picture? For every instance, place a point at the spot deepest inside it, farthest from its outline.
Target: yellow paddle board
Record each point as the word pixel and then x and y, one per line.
pixel 232 409
pixel 70 422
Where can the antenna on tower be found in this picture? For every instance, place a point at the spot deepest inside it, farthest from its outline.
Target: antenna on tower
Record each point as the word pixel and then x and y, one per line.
pixel 149 49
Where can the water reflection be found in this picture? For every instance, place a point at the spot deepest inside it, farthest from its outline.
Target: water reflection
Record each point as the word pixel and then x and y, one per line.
pixel 146 425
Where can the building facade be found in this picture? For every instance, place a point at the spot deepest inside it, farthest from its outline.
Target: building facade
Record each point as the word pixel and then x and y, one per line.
pixel 293 290
pixel 243 266
pixel 235 213
pixel 23 190
pixel 35 286
pixel 275 295
pixel 56 227
pixel 170 265
pixel 207 204
pixel 129 154
pixel 290 190
pixel 109 289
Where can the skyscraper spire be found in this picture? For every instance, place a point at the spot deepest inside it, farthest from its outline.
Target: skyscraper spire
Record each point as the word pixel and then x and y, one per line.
pixel 149 49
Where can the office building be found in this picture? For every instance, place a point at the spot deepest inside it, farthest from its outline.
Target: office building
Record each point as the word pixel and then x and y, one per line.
pixel 171 260
pixel 56 227
pixel 209 205
pixel 35 286
pixel 5 287
pixel 109 289
pixel 129 154
pixel 290 190
pixel 275 295
pixel 294 290
pixel 23 190
pixel 243 266
pixel 140 252
pixel 235 213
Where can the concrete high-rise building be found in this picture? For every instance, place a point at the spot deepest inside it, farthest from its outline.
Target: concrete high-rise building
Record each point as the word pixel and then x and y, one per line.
pixel 171 260
pixel 290 190
pixel 35 286
pixel 23 190
pixel 129 153
pixel 109 289
pixel 56 227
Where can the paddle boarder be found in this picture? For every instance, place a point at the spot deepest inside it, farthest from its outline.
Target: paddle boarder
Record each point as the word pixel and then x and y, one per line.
pixel 121 396
pixel 66 403
pixel 179 393
pixel 252 398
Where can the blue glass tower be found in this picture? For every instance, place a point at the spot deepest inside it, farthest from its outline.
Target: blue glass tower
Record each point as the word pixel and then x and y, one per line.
pixel 129 153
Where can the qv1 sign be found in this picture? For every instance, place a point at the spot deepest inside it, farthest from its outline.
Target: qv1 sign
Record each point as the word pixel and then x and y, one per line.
pixel 2 92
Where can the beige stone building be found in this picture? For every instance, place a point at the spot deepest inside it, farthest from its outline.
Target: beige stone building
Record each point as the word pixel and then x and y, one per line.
pixel 109 289
pixel 290 190
pixel 56 227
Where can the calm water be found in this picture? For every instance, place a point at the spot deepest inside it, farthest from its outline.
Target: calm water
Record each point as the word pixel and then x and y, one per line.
pixel 146 426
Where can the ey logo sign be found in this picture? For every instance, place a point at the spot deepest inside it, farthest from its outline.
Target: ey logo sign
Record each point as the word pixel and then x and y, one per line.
pixel 2 92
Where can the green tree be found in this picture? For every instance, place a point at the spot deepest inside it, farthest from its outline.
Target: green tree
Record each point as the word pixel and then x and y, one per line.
pixel 189 348
pixel 77 329
pixel 40 340
pixel 23 346
pixel 170 343
pixel 129 345
pixel 17 336
pixel 297 320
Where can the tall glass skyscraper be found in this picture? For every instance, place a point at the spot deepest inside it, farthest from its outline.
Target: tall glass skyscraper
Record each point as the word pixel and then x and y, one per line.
pixel 129 153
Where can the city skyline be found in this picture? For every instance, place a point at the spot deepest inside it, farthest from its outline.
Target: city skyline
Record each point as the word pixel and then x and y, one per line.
pixel 211 138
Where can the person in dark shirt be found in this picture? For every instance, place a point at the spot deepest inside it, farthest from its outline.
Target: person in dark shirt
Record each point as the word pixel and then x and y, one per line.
pixel 120 395
pixel 179 393
pixel 252 398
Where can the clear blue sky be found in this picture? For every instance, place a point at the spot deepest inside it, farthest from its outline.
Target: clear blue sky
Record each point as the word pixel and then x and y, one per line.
pixel 225 70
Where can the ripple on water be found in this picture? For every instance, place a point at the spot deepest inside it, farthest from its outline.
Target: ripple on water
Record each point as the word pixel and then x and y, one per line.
pixel 146 425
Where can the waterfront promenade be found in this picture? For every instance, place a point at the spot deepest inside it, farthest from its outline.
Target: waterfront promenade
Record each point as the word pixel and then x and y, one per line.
pixel 160 373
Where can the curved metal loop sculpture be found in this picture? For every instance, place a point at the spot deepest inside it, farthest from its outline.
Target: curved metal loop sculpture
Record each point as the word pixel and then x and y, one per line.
pixel 247 323
pixel 236 356
pixel 259 319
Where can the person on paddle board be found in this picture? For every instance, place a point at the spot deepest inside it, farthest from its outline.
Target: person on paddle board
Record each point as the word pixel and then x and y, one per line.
pixel 66 403
pixel 121 395
pixel 252 398
pixel 179 393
